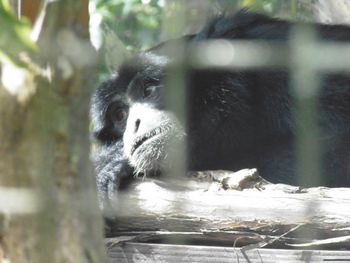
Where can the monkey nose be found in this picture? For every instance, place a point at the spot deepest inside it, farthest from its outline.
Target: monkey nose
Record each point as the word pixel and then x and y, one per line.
pixel 137 125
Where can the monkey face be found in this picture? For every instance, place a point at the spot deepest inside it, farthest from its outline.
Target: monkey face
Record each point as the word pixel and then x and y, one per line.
pixel 151 131
pixel 149 136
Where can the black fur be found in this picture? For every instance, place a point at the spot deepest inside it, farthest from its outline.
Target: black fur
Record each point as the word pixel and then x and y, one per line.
pixel 236 119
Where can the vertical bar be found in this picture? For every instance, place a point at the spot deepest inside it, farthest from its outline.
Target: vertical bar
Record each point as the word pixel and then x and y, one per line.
pixel 305 87
pixel 176 100
pixel 175 93
pixel 19 9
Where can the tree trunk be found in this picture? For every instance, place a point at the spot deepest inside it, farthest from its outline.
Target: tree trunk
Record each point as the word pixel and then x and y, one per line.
pixel 44 149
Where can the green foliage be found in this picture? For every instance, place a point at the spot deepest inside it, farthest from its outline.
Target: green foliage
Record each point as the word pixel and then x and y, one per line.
pixel 263 5
pixel 292 9
pixel 137 23
pixel 14 36
pixel 141 24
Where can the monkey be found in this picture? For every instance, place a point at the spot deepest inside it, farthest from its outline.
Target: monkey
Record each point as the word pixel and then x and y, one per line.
pixel 236 118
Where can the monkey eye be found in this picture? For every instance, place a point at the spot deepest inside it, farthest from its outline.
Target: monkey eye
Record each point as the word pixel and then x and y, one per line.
pixel 120 115
pixel 148 91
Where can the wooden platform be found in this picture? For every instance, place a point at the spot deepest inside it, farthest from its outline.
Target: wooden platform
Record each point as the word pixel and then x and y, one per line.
pixel 136 252
pixel 200 220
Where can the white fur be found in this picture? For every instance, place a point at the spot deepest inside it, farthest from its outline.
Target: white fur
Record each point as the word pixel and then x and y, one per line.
pixel 152 153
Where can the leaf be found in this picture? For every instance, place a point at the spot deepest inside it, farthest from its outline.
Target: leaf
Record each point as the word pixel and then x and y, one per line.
pixel 14 36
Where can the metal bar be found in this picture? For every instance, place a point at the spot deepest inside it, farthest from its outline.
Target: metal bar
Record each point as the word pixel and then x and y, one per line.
pixel 305 87
pixel 245 54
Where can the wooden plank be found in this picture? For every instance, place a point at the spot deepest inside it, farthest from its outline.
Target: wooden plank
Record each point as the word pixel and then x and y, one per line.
pixel 281 237
pixel 136 252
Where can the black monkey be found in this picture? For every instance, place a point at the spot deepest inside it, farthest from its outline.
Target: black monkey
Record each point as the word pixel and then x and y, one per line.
pixel 236 118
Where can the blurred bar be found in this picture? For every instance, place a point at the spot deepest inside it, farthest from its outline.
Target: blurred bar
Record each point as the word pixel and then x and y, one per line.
pixel 305 87
pixel 246 54
pixel 176 94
